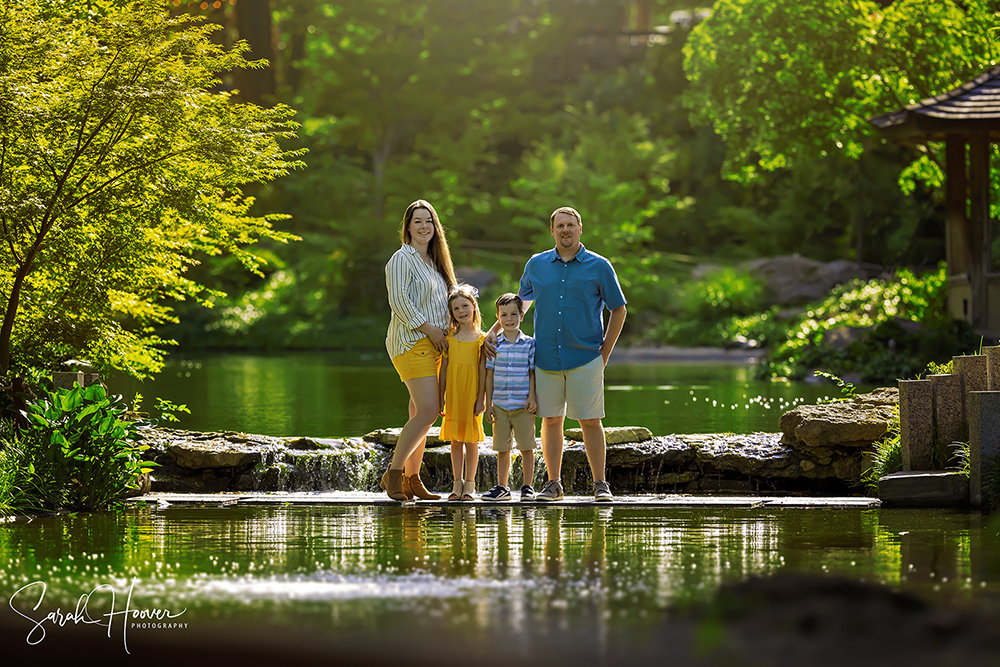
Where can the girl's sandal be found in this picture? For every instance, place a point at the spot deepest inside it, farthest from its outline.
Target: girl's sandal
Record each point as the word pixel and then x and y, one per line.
pixel 468 488
pixel 456 493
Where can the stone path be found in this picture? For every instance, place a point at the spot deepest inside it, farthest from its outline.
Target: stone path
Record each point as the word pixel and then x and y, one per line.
pixel 632 502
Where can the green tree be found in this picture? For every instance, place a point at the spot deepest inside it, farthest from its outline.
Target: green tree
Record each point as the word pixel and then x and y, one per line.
pixel 120 162
pixel 787 80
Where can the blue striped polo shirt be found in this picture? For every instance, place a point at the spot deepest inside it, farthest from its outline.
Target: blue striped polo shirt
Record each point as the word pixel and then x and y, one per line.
pixel 510 371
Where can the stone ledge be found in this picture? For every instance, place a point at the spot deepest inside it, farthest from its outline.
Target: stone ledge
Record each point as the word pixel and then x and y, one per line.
pixel 924 488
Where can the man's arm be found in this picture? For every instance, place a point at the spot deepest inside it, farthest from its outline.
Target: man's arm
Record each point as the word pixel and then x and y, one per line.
pixel 491 415
pixel 615 323
pixel 532 405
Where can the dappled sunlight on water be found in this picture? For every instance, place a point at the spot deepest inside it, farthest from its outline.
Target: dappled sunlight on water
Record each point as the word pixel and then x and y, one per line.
pixel 340 394
pixel 473 569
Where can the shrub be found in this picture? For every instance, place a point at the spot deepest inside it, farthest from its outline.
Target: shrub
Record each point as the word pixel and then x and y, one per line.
pixel 76 453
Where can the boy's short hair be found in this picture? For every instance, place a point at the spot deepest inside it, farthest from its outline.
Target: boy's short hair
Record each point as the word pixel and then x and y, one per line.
pixel 510 297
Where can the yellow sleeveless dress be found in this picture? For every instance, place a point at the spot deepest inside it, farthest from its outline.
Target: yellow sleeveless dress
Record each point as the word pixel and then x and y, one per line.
pixel 461 391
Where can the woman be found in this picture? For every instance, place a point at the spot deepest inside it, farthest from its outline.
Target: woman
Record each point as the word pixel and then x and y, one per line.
pixel 418 278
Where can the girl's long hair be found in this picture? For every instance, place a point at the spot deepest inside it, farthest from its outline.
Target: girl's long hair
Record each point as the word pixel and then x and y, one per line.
pixel 472 294
pixel 438 246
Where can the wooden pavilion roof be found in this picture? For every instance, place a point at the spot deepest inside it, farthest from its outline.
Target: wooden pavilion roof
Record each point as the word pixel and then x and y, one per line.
pixel 971 109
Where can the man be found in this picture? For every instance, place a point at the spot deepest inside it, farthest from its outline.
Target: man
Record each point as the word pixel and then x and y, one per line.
pixel 572 286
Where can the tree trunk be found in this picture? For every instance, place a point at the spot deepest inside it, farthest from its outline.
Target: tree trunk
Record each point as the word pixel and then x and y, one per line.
pixel 253 23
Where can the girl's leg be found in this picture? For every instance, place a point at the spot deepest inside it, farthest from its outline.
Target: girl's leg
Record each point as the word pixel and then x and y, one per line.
pixel 471 461
pixel 456 460
pixel 413 463
pixel 503 467
pixel 424 399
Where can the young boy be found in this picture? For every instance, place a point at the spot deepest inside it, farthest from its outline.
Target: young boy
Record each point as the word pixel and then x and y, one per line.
pixel 510 398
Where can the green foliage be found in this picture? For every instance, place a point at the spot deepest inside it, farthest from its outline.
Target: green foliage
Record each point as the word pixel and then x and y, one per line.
pixel 168 410
pixel 991 484
pixel 122 167
pixel 887 329
pixel 886 457
pixel 787 81
pixel 76 453
pixel 847 389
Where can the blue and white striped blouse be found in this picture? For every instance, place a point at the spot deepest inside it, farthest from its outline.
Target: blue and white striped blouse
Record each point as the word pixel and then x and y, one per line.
pixel 417 294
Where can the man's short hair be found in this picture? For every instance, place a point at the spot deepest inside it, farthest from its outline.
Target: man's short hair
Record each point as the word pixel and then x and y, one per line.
pixel 569 210
pixel 510 297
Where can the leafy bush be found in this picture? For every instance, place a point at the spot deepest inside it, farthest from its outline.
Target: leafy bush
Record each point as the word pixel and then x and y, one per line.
pixel 886 458
pixel 77 452
pixel 900 324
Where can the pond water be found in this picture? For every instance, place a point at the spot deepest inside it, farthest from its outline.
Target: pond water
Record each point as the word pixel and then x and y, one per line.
pixel 601 579
pixel 344 394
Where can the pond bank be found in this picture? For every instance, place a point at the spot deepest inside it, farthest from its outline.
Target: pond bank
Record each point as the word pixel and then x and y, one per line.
pixel 822 449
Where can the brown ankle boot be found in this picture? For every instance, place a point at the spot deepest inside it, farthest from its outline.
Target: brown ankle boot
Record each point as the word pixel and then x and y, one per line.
pixel 418 489
pixel 407 490
pixel 392 482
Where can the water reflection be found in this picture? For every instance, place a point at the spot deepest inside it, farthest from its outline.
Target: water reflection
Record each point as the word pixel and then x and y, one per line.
pixel 517 572
pixel 341 394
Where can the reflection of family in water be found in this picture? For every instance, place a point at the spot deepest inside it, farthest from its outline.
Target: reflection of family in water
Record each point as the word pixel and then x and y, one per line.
pixel 499 537
pixel 452 368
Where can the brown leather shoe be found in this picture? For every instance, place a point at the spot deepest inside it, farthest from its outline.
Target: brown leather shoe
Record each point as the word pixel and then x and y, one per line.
pixel 392 482
pixel 406 487
pixel 418 489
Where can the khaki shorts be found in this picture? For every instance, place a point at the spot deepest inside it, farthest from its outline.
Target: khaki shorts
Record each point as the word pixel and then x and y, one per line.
pixel 577 393
pixel 517 423
pixel 420 361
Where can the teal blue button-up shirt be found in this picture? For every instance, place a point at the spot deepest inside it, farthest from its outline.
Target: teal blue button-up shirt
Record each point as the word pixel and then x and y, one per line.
pixel 570 298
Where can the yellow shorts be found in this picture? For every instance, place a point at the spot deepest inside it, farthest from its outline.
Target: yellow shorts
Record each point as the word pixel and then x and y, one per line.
pixel 420 361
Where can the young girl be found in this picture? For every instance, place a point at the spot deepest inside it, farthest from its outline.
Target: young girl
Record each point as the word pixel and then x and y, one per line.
pixel 463 389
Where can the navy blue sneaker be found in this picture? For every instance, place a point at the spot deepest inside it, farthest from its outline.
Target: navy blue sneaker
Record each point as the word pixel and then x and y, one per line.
pixel 527 493
pixel 497 493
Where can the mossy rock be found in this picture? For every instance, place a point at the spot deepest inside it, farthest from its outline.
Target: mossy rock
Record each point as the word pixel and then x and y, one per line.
pixel 614 435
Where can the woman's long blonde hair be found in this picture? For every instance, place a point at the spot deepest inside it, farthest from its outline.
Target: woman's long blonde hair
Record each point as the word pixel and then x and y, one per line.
pixel 472 294
pixel 438 246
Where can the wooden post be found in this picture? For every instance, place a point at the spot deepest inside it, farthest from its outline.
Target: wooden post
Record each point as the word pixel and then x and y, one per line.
pixel 956 201
pixel 979 228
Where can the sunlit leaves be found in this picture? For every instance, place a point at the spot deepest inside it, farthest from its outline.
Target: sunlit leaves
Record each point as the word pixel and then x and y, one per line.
pixel 782 80
pixel 121 160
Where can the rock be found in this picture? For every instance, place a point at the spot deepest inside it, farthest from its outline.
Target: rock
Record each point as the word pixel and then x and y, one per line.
pixel 614 435
pixel 843 424
pixel 924 488
pixel 212 455
pixel 793 279
pixel 881 396
pixel 388 437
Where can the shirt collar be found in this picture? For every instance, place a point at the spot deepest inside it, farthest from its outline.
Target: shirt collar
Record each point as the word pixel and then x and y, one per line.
pixel 407 248
pixel 503 338
pixel 577 257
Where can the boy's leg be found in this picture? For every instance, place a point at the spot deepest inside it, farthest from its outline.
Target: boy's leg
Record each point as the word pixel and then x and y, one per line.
pixel 503 468
pixel 523 423
pixel 527 466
